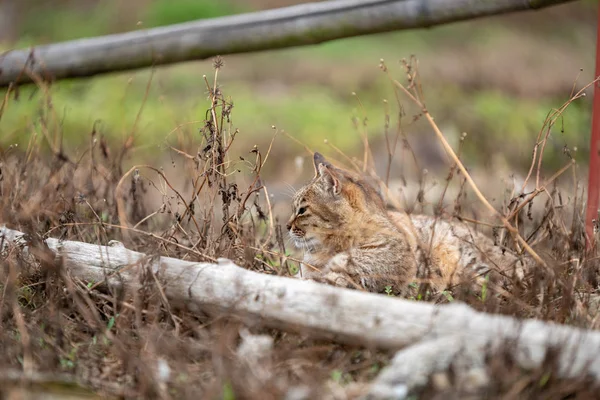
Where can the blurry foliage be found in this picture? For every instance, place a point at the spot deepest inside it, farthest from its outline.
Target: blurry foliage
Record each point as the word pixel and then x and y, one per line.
pixel 71 20
pixel 61 24
pixel 511 119
pixel 495 120
pixel 166 12
pixel 313 113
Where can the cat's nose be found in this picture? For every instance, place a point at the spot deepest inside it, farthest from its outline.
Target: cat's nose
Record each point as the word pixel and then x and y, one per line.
pixel 288 226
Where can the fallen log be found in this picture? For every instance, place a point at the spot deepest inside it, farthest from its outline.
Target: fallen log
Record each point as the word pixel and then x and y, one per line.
pixel 430 336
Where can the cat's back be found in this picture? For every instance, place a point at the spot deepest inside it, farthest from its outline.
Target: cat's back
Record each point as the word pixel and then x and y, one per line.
pixel 433 245
pixel 454 250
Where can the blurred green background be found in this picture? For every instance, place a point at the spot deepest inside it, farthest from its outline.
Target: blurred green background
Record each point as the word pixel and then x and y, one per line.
pixel 495 78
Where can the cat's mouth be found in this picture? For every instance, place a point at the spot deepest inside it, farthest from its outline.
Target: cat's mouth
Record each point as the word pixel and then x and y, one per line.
pixel 301 241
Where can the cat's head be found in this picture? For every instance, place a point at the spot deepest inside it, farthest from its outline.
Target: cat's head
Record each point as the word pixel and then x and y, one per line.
pixel 328 203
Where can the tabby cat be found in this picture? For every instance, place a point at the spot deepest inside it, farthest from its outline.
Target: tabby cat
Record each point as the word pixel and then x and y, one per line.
pixel 350 239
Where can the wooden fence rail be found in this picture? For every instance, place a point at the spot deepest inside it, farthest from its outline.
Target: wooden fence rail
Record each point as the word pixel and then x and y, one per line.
pixel 298 25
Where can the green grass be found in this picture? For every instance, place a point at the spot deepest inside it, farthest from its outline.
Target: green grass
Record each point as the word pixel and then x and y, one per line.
pixel 494 120
pixel 166 12
pixel 59 24
pixel 50 23
pixel 311 113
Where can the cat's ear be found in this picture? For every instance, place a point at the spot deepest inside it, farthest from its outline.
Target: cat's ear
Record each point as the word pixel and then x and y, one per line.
pixel 317 160
pixel 325 171
pixel 330 179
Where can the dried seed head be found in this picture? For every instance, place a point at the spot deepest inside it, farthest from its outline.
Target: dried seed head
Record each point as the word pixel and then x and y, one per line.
pixel 382 65
pixel 80 198
pixel 214 92
pixel 218 62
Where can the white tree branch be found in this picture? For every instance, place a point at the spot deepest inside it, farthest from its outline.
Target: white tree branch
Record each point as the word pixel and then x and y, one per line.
pixel 432 336
pixel 298 25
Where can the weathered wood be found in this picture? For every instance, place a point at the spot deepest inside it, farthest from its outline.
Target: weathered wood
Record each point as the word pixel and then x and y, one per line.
pixel 466 354
pixel 298 25
pixel 430 335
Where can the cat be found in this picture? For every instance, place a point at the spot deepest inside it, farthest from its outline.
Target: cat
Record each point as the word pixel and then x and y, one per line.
pixel 351 239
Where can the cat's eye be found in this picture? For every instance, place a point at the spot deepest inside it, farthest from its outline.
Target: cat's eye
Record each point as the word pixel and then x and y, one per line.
pixel 301 210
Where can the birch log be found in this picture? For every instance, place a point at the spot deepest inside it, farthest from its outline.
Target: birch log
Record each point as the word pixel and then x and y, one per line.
pixel 298 25
pixel 430 336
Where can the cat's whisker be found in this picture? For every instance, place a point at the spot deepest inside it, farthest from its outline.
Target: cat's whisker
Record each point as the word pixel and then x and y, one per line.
pixel 289 186
pixel 304 244
pixel 291 190
pixel 290 242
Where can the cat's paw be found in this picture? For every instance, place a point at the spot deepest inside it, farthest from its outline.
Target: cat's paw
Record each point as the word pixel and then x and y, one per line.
pixel 338 279
pixel 338 263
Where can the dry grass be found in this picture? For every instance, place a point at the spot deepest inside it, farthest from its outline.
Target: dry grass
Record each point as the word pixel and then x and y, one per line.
pixel 134 344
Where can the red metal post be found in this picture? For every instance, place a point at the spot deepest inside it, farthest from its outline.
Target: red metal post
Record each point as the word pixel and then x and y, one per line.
pixel 594 171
